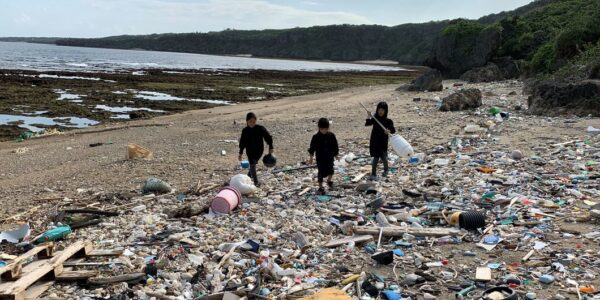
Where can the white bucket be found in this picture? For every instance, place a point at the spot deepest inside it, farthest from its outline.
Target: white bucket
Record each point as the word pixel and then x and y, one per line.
pixel 401 146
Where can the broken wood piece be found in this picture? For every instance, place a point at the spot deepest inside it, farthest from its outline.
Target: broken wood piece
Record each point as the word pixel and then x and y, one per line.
pixel 304 191
pixel 528 255
pixel 136 151
pixel 90 264
pixel 111 252
pixel 483 274
pixel 200 191
pixel 91 211
pixel 399 231
pixel 76 275
pixel 129 278
pixel 358 177
pixel 356 239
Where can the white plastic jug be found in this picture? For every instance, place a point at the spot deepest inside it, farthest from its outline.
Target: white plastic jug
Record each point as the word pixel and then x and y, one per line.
pixel 401 146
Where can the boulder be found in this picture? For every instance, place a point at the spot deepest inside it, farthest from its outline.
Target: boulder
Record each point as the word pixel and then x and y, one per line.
pixel 509 68
pixel 429 81
pixel 552 98
pixel 462 100
pixel 487 73
pixel 139 115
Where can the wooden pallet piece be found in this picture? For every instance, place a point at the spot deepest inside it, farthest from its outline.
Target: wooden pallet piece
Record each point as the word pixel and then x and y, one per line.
pixel 13 270
pixel 36 290
pixel 114 252
pixel 48 268
pixel 76 275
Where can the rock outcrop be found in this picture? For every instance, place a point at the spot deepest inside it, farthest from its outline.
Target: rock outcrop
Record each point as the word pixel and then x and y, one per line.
pixel 454 54
pixel 429 81
pixel 487 73
pixel 462 100
pixel 582 98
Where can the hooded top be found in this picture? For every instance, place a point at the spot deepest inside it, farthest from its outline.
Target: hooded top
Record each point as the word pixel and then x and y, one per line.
pixel 379 140
pixel 252 141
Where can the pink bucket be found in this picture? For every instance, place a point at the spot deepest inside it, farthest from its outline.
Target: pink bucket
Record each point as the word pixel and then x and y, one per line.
pixel 226 200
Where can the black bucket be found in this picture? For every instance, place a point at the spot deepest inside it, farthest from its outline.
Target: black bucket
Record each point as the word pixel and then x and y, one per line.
pixel 384 258
pixel 471 220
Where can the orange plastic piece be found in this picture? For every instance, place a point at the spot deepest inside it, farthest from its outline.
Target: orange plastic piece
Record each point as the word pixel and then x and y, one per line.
pixel 486 170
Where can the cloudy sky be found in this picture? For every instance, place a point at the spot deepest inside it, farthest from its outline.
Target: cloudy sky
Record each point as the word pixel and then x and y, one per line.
pixel 96 18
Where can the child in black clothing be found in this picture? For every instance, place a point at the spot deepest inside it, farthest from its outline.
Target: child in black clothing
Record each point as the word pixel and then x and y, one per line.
pixel 325 145
pixel 252 140
pixel 379 138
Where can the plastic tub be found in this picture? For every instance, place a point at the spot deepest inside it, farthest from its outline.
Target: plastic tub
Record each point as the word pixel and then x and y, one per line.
pixel 226 200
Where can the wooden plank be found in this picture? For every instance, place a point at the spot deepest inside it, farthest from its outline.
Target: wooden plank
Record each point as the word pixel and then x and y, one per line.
pixel 358 177
pixel 357 239
pixel 399 231
pixel 76 275
pixel 13 270
pixel 304 191
pixel 116 279
pixel 90 264
pixel 38 269
pixel 111 252
pixel 36 290
pixel 483 274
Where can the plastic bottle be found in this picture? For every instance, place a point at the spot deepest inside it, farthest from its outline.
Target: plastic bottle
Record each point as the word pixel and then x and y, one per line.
pixel 53 234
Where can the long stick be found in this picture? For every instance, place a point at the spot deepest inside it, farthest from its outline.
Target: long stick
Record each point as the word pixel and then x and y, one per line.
pixel 372 117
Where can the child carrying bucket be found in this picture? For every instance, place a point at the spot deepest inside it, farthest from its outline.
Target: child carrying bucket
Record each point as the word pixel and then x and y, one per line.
pixel 253 138
pixel 379 138
pixel 325 146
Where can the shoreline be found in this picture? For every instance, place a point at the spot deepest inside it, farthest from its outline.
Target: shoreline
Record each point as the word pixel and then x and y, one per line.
pixel 42 97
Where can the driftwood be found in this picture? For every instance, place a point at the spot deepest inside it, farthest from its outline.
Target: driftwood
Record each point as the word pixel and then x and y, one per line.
pixel 399 231
pixel 190 210
pixel 344 241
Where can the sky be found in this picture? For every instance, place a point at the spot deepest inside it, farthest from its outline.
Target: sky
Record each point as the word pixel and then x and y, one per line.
pixel 98 18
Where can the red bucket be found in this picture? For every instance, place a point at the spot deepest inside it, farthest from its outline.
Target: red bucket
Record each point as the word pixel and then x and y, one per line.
pixel 226 200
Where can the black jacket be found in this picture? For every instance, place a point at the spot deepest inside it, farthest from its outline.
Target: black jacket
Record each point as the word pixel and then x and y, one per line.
pixel 379 140
pixel 325 146
pixel 252 141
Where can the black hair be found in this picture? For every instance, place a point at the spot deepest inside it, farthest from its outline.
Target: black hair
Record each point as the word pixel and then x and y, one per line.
pixel 383 105
pixel 249 116
pixel 323 123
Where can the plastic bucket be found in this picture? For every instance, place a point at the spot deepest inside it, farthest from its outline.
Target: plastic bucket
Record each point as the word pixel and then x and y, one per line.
pixel 471 220
pixel 401 146
pixel 245 164
pixel 226 200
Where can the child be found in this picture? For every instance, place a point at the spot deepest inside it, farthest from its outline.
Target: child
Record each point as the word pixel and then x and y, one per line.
pixel 379 138
pixel 252 140
pixel 325 145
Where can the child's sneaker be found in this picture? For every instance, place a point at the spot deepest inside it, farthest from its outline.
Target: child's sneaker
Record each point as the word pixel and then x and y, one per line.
pixel 330 184
pixel 321 191
pixel 384 174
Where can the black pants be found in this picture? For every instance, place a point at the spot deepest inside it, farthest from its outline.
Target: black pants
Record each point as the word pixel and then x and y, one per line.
pixel 325 169
pixel 252 171
pixel 384 159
